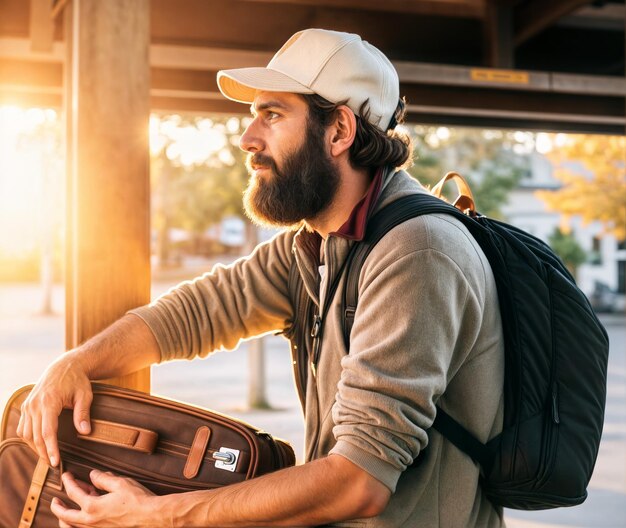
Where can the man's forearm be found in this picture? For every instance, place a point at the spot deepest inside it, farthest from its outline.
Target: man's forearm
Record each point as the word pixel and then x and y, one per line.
pixel 326 490
pixel 124 347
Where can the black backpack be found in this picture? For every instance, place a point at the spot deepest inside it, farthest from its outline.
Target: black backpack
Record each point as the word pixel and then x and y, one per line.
pixel 556 354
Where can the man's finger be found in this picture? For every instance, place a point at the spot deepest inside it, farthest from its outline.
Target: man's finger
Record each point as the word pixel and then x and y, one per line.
pixel 20 426
pixel 74 491
pixel 105 481
pixel 40 445
pixel 68 518
pixel 82 420
pixel 87 488
pixel 26 432
pixel 49 428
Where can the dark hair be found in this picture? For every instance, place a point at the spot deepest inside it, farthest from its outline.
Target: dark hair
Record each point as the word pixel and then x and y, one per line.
pixel 372 146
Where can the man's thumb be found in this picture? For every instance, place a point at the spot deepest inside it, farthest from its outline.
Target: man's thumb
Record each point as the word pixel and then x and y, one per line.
pixel 81 415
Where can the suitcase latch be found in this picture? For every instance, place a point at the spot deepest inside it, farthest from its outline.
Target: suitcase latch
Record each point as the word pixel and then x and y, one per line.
pixel 226 459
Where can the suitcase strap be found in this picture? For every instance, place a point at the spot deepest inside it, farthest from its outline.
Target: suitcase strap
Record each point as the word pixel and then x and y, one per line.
pixel 34 492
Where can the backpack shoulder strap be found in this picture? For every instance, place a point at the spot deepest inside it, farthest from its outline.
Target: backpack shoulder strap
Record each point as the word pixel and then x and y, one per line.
pixel 378 226
pixel 300 329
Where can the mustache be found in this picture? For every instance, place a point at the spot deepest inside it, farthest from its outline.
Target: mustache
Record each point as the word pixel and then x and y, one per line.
pixel 259 160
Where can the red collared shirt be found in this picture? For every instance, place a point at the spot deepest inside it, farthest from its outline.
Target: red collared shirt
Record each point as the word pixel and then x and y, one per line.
pixel 354 227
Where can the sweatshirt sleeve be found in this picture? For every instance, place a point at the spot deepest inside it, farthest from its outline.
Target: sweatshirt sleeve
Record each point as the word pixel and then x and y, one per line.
pixel 218 309
pixel 417 318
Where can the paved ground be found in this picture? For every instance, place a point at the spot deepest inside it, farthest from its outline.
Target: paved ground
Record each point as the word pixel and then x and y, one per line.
pixel 28 342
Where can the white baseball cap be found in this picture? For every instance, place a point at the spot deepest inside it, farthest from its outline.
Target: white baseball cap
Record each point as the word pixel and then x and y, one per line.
pixel 337 66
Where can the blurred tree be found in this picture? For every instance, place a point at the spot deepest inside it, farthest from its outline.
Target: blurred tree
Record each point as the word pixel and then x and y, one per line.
pixel 492 161
pixel 568 249
pixel 198 175
pixel 198 178
pixel 592 169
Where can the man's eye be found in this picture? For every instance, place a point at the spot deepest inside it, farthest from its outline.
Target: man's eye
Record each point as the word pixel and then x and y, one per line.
pixel 272 115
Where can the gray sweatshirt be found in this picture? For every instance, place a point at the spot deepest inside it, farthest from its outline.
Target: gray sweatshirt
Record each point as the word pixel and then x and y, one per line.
pixel 427 331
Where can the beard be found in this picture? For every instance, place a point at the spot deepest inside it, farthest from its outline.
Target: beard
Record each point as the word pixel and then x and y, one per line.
pixel 302 188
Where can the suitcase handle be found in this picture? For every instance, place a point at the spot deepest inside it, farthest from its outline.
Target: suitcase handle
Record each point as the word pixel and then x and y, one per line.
pixel 122 435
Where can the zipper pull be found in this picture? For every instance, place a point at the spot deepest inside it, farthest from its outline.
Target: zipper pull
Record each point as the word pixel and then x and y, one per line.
pixel 555 406
pixel 317 325
pixel 316 335
pixel 316 354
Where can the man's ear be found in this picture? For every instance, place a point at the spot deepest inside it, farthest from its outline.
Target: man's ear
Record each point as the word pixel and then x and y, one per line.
pixel 342 131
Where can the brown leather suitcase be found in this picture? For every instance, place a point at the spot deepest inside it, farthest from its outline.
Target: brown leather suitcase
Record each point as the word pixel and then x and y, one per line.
pixel 167 446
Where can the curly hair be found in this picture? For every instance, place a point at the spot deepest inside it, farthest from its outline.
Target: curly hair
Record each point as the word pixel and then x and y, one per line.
pixel 372 147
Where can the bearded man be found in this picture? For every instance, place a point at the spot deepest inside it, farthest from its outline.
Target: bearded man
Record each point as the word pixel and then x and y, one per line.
pixel 323 156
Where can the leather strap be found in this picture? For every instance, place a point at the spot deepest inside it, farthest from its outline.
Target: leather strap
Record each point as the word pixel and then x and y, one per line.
pixel 34 492
pixel 196 452
pixel 122 435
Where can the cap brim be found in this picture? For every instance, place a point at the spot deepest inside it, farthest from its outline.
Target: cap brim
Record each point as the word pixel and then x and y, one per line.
pixel 242 84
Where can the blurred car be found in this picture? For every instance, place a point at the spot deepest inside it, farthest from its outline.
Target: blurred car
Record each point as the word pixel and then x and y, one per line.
pixel 603 298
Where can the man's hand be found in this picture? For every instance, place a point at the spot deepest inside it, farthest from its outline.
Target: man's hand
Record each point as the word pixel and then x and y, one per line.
pixel 64 384
pixel 316 493
pixel 125 503
pixel 124 347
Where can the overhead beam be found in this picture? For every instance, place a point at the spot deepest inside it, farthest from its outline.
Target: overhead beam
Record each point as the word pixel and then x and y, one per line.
pixel 202 58
pixel 453 8
pixel 536 15
pixel 183 80
pixel 20 48
pixel 519 121
pixel 461 112
pixel 37 75
pixel 507 80
pixel 610 17
pixel 187 74
pixel 161 55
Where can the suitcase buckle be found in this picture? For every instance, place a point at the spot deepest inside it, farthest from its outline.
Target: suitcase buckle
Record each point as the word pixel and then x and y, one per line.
pixel 226 459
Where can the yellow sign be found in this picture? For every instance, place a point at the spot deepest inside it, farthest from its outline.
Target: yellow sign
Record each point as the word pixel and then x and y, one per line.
pixel 500 76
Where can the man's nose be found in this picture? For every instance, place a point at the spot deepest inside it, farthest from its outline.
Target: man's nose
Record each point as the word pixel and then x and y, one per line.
pixel 250 140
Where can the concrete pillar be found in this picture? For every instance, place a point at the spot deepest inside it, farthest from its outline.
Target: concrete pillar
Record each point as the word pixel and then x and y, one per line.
pixel 108 183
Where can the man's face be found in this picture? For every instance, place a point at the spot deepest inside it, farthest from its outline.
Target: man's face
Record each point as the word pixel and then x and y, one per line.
pixel 292 176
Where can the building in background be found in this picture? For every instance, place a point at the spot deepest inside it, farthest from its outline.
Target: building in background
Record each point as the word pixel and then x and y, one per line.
pixel 603 276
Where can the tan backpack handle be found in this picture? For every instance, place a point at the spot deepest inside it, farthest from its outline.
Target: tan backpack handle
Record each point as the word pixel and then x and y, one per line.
pixel 465 199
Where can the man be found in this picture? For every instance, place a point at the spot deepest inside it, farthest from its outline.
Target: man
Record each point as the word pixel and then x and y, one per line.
pixel 322 154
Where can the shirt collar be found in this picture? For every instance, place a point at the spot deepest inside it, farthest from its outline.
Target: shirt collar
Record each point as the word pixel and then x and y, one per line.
pixel 354 227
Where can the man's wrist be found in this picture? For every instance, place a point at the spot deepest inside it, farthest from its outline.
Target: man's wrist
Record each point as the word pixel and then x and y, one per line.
pixel 157 512
pixel 78 357
pixel 179 510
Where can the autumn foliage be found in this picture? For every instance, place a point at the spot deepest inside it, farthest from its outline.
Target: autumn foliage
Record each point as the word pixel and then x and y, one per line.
pixel 592 169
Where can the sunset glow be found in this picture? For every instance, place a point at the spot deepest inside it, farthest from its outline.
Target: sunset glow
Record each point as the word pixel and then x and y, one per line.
pixel 25 177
